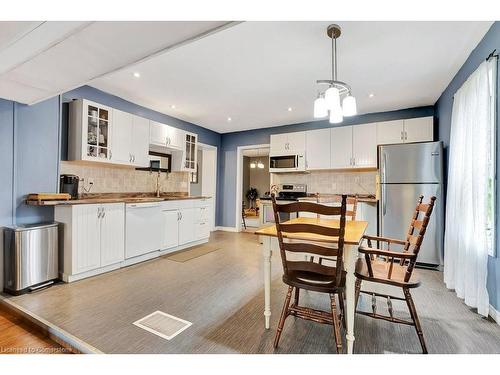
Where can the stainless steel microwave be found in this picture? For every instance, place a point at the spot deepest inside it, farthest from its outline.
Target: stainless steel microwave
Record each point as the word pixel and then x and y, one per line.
pixel 287 163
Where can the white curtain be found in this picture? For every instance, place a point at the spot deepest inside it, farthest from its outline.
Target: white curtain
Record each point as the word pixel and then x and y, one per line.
pixel 466 240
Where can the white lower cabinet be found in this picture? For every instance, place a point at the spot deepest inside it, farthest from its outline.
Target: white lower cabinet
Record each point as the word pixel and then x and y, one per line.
pixel 187 225
pixel 112 234
pixel 102 237
pixel 170 224
pixel 93 237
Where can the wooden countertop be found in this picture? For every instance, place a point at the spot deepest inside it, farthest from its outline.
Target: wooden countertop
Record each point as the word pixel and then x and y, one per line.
pixel 354 230
pixel 114 198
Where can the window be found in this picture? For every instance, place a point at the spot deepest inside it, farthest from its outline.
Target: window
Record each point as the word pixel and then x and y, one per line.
pixel 491 202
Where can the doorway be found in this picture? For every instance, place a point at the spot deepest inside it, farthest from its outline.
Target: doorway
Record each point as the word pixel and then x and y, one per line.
pixel 203 182
pixel 253 182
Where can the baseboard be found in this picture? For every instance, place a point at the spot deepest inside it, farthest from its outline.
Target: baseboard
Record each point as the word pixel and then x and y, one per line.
pixel 227 229
pixel 495 314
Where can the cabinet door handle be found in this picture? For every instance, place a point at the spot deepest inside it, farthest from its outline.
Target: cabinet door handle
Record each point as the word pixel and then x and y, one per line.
pixel 402 136
pixel 99 212
pixel 406 135
pixel 103 213
pixel 353 161
pixel 110 154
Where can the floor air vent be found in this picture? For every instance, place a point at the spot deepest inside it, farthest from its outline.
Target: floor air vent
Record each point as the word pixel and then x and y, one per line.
pixel 162 324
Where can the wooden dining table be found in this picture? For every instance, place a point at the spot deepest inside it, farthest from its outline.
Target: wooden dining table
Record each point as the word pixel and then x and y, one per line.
pixel 354 232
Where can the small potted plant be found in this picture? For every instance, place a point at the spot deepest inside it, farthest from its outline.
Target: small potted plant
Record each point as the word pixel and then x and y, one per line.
pixel 252 195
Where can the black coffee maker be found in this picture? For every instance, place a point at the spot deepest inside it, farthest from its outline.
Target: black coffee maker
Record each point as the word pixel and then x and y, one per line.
pixel 68 183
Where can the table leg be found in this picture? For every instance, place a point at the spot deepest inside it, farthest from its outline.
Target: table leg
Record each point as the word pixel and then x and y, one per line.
pixel 267 279
pixel 350 256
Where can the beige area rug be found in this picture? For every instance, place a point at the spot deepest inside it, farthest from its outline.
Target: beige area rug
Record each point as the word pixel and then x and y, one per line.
pixel 191 253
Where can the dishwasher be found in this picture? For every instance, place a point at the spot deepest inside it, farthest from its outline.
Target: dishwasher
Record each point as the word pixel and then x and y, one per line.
pixel 143 224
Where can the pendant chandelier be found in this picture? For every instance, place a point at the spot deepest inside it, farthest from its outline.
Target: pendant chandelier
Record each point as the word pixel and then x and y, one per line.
pixel 259 163
pixel 337 100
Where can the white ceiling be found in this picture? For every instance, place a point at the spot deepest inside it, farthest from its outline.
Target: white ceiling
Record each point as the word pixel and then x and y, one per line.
pixel 254 71
pixel 39 60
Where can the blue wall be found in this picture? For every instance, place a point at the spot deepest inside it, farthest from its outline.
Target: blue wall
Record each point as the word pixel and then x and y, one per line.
pixel 36 157
pixel 443 109
pixel 7 157
pixel 231 141
pixel 29 150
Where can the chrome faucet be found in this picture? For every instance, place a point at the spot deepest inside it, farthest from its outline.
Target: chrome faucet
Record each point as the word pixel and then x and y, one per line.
pixel 158 185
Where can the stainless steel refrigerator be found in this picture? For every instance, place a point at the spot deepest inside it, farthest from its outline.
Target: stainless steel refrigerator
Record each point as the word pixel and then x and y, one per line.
pixel 406 172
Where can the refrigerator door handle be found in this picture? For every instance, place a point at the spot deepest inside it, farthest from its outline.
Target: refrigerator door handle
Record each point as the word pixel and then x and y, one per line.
pixel 384 200
pixel 384 162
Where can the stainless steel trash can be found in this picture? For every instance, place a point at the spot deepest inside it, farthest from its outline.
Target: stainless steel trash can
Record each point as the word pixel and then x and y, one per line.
pixel 30 257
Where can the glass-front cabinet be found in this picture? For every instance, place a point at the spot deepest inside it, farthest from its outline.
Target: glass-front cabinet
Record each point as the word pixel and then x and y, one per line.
pixel 90 128
pixel 190 156
pixel 98 127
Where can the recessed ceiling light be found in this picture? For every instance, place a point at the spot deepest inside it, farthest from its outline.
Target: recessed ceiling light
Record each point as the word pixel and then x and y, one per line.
pixel 289 109
pixel 172 106
pixel 371 95
pixel 137 74
pixel 229 119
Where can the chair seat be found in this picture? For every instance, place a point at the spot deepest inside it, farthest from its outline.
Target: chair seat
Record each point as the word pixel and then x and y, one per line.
pixel 314 281
pixel 381 270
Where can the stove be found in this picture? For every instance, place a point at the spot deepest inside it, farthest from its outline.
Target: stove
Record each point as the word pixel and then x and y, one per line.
pixel 289 192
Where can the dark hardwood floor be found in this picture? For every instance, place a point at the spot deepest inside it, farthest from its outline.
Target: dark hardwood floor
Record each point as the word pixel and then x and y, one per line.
pixel 20 337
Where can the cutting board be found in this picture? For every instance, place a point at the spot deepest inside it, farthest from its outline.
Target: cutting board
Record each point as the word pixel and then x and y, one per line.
pixel 49 197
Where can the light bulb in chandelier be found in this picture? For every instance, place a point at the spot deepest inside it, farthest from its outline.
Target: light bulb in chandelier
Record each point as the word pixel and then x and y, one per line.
pixel 332 98
pixel 349 106
pixel 320 109
pixel 336 116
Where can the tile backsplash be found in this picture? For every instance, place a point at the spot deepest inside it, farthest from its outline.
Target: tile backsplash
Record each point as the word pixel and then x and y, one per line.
pixel 113 179
pixel 331 182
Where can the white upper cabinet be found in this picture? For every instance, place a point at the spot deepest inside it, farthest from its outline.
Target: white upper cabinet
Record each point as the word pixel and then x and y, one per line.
pixel 175 137
pixel 90 131
pixel 406 131
pixel 278 143
pixel 100 133
pixel 288 143
pixel 157 133
pixel 122 137
pixel 364 146
pixel 389 132
pixel 166 136
pixel 140 142
pixel 341 147
pixel 130 139
pixel 419 129
pixel 318 149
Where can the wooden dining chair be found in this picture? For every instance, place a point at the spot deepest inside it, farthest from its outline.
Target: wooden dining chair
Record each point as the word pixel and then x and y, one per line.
pixel 350 214
pixel 395 268
pixel 301 274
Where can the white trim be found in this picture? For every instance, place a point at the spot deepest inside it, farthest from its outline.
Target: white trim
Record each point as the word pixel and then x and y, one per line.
pixel 214 204
pixel 495 315
pixel 239 179
pixel 157 333
pixel 227 229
